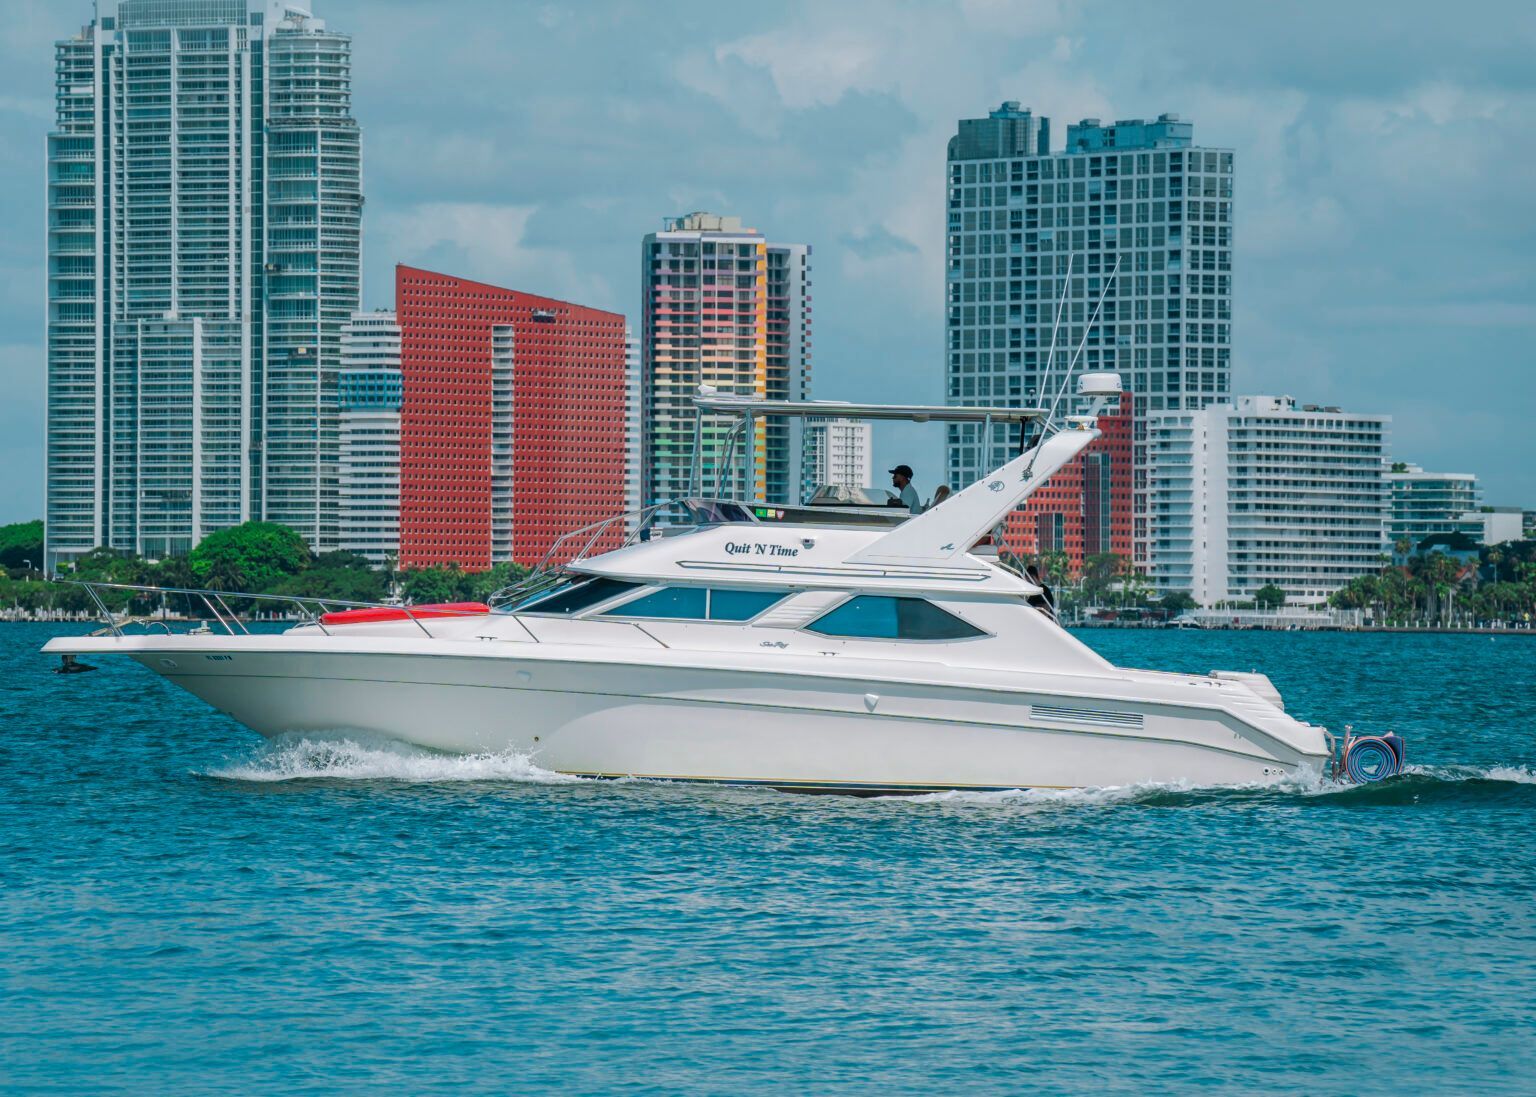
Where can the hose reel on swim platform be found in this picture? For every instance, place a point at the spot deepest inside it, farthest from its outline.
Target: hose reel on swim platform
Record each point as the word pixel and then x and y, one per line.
pixel 1365 759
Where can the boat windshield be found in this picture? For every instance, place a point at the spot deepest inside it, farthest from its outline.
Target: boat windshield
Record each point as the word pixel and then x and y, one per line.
pixel 572 596
pixel 840 495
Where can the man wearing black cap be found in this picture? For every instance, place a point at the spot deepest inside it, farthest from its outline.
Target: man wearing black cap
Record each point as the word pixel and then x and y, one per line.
pixel 901 480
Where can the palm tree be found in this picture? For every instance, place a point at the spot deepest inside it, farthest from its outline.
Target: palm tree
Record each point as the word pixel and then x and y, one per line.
pixel 1439 575
pixel 1136 588
pixel 1057 567
pixel 1099 572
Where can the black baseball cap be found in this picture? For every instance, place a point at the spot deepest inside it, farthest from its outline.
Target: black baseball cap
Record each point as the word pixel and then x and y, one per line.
pixel 902 470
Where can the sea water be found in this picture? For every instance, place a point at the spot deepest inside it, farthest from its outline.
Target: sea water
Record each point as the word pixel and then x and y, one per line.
pixel 186 909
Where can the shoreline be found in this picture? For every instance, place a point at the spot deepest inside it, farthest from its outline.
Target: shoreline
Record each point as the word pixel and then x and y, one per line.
pixel 1081 626
pixel 1425 630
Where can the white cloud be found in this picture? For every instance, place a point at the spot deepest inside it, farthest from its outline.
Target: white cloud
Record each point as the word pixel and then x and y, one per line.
pixel 813 70
pixel 1011 16
pixel 485 242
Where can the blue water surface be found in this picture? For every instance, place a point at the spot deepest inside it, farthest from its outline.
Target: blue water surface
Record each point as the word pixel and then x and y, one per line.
pixel 186 909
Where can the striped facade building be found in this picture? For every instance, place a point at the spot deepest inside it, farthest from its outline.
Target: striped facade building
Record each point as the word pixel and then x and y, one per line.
pixel 723 307
pixel 512 421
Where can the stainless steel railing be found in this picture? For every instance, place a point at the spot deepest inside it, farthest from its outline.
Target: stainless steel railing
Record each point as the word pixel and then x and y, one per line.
pixel 220 611
pixel 547 572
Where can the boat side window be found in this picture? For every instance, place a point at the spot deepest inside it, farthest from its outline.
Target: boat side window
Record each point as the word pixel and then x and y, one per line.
pixel 699 604
pixel 687 603
pixel 742 605
pixel 572 598
pixel 872 617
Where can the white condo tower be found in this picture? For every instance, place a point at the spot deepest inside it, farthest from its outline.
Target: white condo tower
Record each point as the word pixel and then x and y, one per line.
pixel 204 209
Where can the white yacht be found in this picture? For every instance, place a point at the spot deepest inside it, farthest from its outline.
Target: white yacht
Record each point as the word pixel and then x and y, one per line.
pixel 843 648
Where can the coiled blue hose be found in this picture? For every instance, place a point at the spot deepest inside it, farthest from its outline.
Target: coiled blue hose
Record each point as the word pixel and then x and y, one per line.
pixel 1372 758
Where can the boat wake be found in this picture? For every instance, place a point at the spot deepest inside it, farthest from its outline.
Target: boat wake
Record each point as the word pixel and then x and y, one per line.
pixel 350 759
pixel 1417 784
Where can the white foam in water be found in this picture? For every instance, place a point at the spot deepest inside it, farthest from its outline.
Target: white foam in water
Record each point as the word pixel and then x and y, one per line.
pixel 1516 775
pixel 1108 794
pixel 350 760
pixel 347 759
pixel 1510 773
pixel 1306 783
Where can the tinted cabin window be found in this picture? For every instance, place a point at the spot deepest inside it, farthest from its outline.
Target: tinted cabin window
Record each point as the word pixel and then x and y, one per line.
pixel 741 605
pixel 686 603
pixel 875 618
pixel 699 604
pixel 575 597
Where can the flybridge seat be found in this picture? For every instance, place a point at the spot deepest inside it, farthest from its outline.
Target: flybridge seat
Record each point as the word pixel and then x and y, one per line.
pixel 374 615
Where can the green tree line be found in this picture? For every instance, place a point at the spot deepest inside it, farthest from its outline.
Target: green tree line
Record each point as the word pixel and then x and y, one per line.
pixel 1430 588
pixel 254 558
pixel 1437 589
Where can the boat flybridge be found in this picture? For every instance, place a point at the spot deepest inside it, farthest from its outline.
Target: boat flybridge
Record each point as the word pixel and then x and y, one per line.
pixel 839 646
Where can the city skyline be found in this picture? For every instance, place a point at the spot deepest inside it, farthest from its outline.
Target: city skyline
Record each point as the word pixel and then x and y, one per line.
pixel 1349 295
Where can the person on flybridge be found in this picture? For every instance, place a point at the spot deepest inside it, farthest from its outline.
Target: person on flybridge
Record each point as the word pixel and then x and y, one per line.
pixel 906 495
pixel 1045 601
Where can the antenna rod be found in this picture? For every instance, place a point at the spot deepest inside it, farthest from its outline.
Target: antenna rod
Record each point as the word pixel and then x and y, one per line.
pixel 1061 303
pixel 1067 376
pixel 1050 357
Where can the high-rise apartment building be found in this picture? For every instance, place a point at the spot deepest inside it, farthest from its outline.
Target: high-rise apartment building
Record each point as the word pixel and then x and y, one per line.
pixel 1425 504
pixel 634 408
pixel 368 394
pixel 1085 508
pixel 1260 492
pixel 838 452
pixel 513 417
pixel 204 210
pixel 724 307
pixel 1033 234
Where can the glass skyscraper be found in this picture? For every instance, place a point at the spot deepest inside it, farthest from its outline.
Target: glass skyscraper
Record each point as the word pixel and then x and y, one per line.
pixel 204 214
pixel 1028 229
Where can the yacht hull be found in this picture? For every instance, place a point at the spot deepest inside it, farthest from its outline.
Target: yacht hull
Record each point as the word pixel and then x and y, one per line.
pixel 587 713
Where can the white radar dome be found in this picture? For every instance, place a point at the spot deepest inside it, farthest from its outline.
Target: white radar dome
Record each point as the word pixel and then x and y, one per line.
pixel 1099 384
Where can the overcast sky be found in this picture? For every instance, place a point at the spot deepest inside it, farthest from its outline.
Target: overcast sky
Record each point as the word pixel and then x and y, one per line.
pixel 1385 205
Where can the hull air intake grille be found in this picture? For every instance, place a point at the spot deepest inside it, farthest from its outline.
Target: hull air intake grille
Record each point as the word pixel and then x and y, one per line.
pixel 1097 717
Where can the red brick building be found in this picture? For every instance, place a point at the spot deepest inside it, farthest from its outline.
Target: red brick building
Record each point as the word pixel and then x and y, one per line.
pixel 1085 509
pixel 512 424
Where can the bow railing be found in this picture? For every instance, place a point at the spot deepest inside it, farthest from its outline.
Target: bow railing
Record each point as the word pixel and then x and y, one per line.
pixel 216 602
